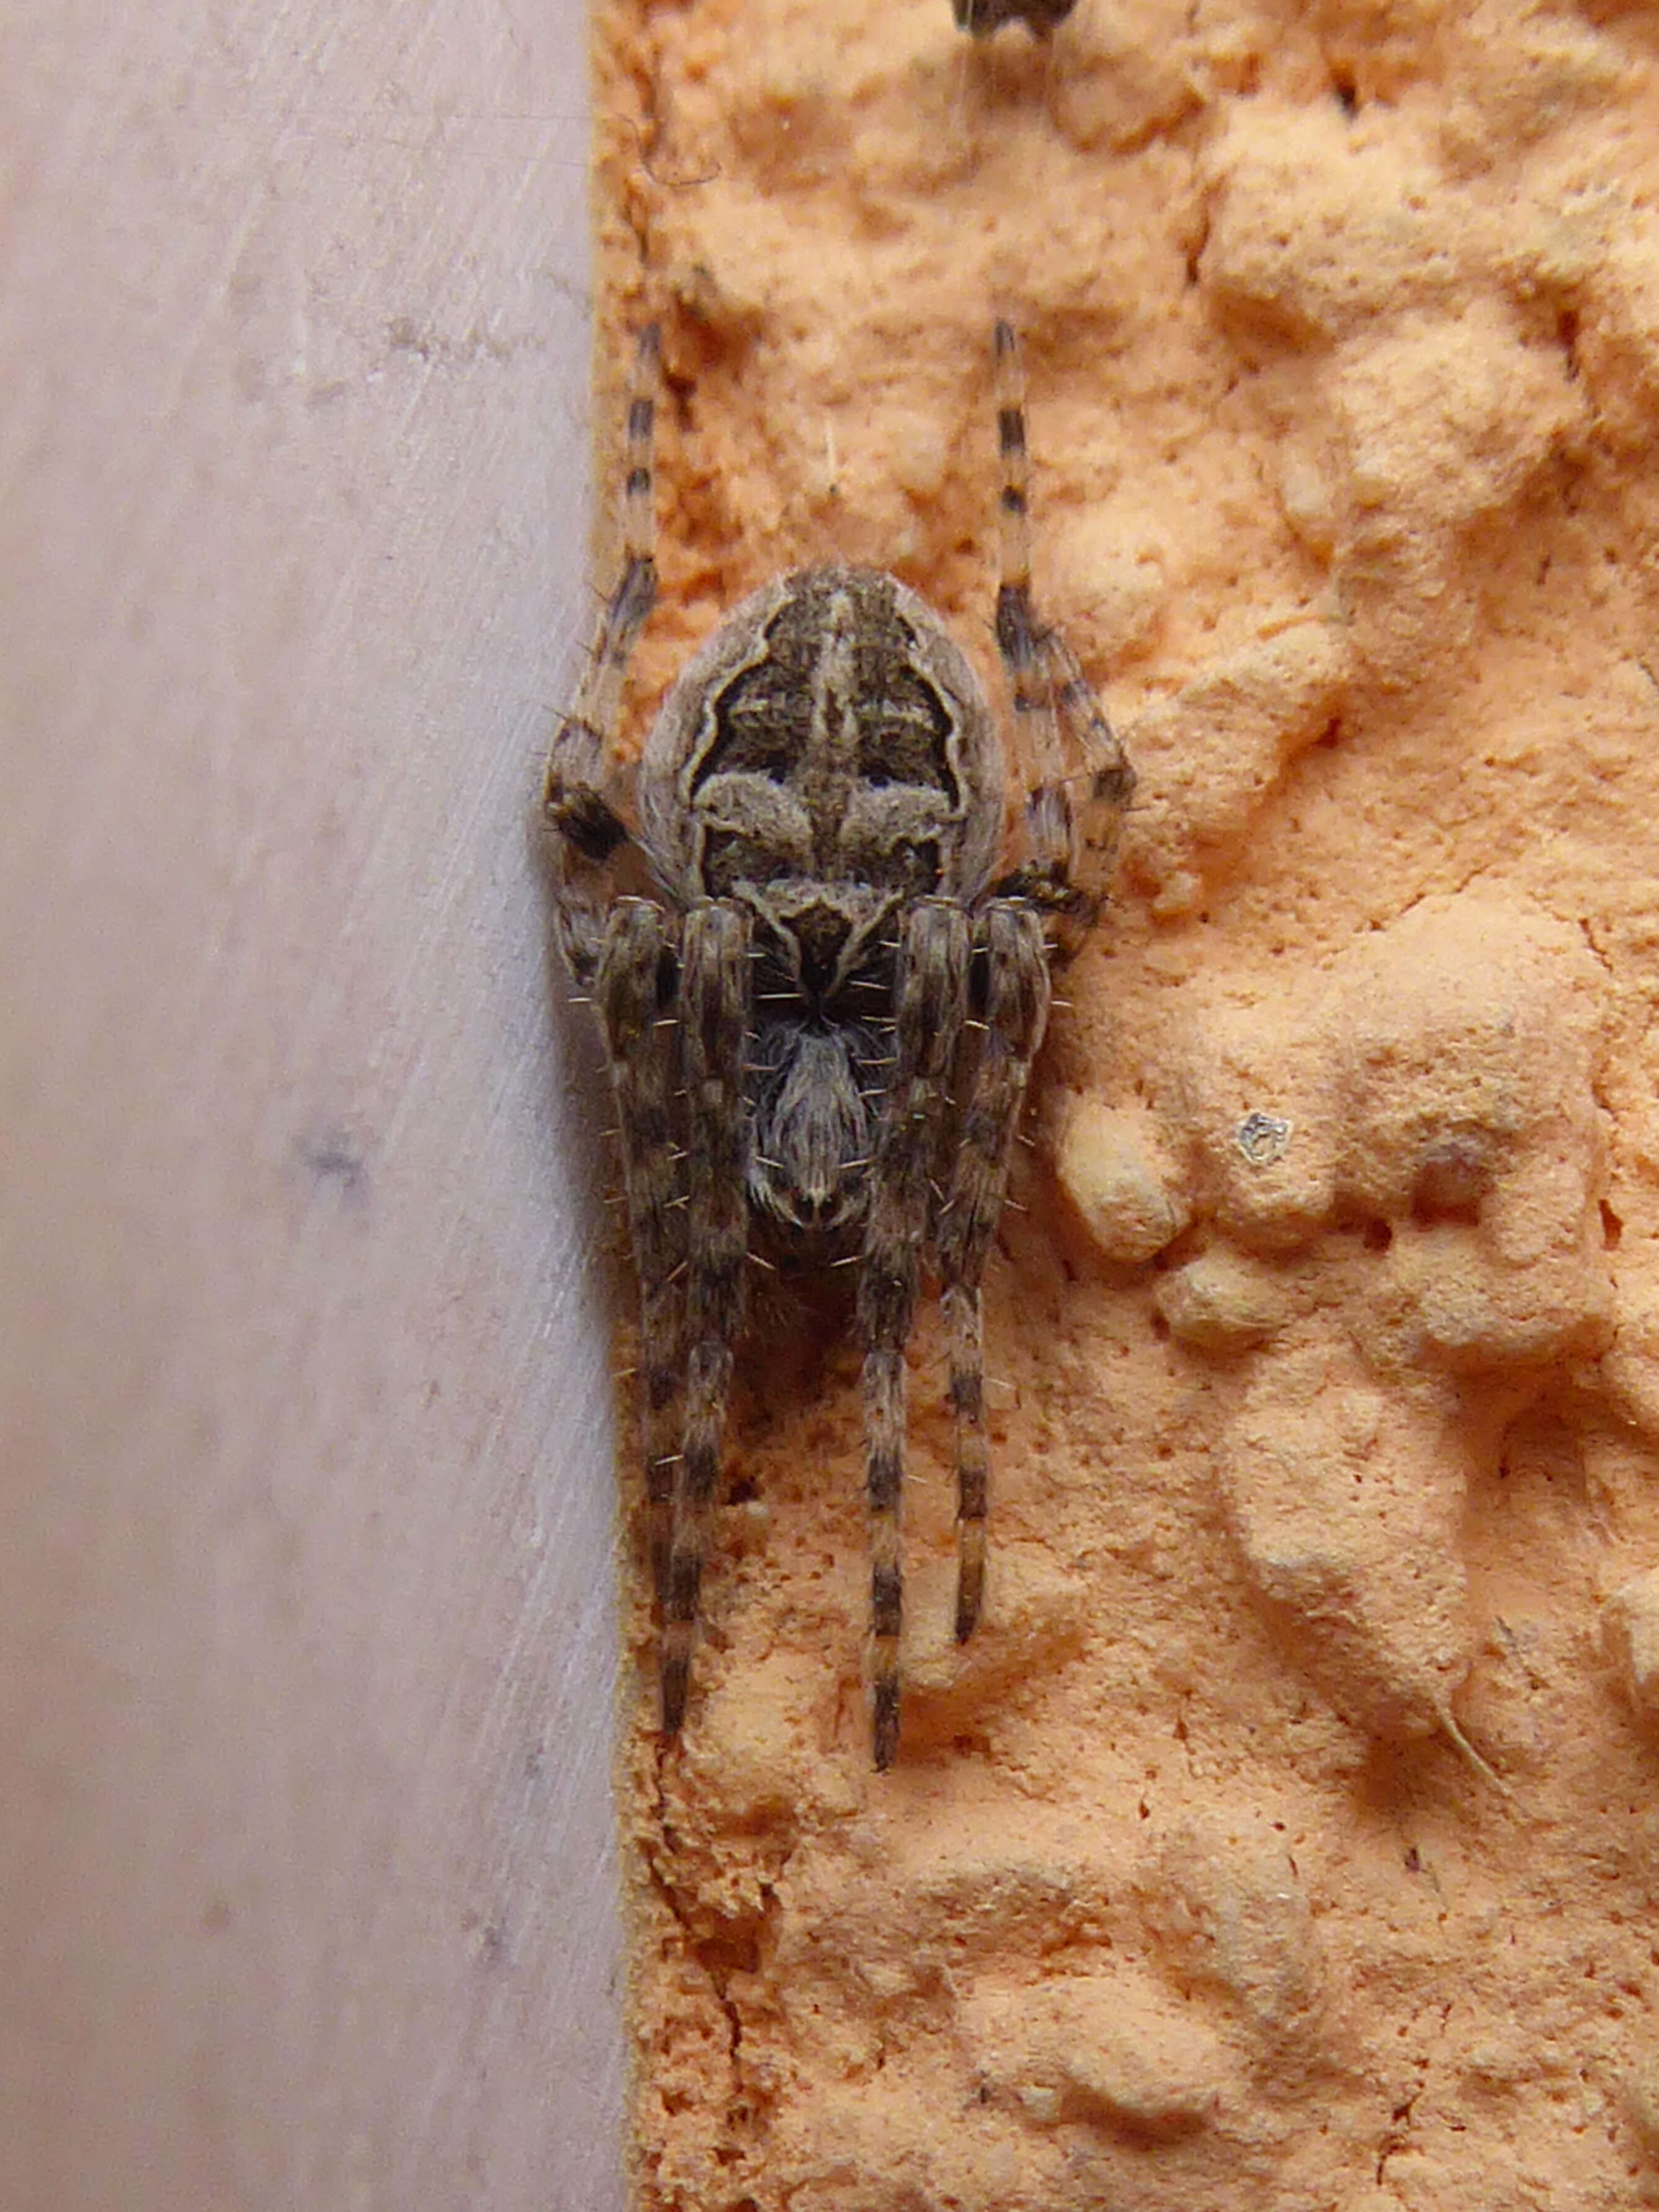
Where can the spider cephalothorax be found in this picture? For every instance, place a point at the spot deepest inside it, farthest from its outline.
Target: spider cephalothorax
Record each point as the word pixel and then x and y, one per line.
pixel 821 1022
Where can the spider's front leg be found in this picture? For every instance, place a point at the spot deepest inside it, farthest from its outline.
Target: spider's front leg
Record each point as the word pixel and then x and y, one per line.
pixel 620 951
pixel 1011 1010
pixel 714 1025
pixel 1077 777
pixel 931 1000
pixel 582 797
pixel 1078 783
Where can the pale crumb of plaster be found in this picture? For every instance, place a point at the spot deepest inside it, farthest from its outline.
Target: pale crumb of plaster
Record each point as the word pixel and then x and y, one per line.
pixel 1111 560
pixel 1040 1613
pixel 1114 2049
pixel 1347 1520
pixel 1223 1303
pixel 1440 1083
pixel 1228 1059
pixel 918 452
pixel 1457 412
pixel 1631 1363
pixel 1309 503
pixel 745 1526
pixel 1224 1895
pixel 1547 71
pixel 1321 228
pixel 759 1746
pixel 1619 341
pixel 1217 749
pixel 1642 2095
pixel 1124 77
pixel 1113 1166
pixel 1630 1630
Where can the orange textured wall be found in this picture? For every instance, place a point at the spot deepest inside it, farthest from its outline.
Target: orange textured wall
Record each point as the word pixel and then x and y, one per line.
pixel 1286 1837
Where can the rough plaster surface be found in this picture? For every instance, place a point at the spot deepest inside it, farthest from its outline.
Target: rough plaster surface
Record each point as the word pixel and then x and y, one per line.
pixel 1286 1837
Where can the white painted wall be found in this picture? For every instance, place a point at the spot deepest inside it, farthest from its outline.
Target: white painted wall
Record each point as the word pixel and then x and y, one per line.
pixel 307 1871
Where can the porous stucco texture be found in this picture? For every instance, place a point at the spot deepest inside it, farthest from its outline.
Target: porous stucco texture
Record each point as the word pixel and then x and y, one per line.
pixel 1286 1836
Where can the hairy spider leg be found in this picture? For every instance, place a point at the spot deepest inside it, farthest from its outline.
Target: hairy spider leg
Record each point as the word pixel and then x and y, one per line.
pixel 1009 999
pixel 1062 738
pixel 621 950
pixel 582 796
pixel 633 992
pixel 930 1004
pixel 714 1012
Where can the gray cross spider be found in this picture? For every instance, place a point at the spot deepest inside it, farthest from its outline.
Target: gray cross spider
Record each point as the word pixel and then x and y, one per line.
pixel 820 985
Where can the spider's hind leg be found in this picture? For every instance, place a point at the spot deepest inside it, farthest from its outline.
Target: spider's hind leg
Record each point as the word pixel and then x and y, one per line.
pixel 930 1004
pixel 714 1025
pixel 1012 967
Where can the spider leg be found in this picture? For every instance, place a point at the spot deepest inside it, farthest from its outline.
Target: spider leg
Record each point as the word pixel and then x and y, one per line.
pixel 582 794
pixel 1012 972
pixel 930 1004
pixel 1081 780
pixel 634 987
pixel 714 993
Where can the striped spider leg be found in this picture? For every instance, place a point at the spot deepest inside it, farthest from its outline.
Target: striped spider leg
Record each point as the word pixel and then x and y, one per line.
pixel 1069 753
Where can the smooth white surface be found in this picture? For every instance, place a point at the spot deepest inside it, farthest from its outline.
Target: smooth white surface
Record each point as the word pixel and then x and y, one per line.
pixel 307 1865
